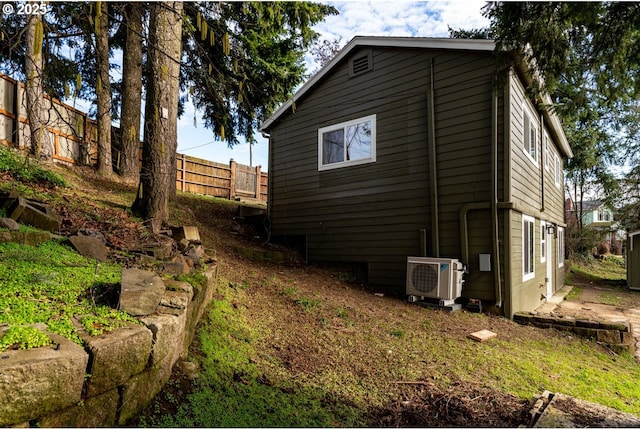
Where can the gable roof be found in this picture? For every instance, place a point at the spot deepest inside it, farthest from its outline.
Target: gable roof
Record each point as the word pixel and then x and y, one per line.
pixel 411 42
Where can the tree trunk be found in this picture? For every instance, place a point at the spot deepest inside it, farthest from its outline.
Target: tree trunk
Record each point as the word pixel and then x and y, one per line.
pixel 34 92
pixel 103 89
pixel 131 92
pixel 157 178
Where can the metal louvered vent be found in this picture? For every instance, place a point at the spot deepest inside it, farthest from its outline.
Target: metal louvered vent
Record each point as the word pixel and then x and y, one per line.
pixel 425 278
pixel 360 65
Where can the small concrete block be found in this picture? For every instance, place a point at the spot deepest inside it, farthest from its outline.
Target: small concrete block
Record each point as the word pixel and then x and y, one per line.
pixel 609 336
pixel 36 214
pixel 482 335
pixel 542 325
pixel 179 286
pixel 586 332
pixel 174 302
pixel 159 251
pixel 140 291
pixel 7 222
pixel 29 238
pixel 617 326
pixel 544 319
pixel 138 392
pixel 116 356
pixel 189 233
pixel 176 266
pixel 522 318
pixel 40 381
pixel 96 411
pixel 168 333
pixel 91 247
pixel 627 337
pixel 564 321
pixel 591 324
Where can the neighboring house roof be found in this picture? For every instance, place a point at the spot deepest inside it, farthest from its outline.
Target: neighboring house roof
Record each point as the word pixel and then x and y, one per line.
pixel 414 42
pixel 588 205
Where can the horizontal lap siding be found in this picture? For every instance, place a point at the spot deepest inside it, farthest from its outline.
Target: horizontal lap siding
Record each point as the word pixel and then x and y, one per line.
pixel 368 213
pixel 373 213
pixel 464 115
pixel 525 175
pixel 546 204
pixel 463 112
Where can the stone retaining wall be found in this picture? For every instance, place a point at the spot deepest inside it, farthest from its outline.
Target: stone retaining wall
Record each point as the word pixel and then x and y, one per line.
pixel 616 335
pixel 112 378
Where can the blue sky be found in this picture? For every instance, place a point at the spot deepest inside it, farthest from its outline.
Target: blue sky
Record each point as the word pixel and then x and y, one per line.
pixel 356 18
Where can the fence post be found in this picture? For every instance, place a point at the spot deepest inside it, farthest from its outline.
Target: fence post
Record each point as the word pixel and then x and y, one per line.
pixel 184 172
pixel 232 183
pixel 258 181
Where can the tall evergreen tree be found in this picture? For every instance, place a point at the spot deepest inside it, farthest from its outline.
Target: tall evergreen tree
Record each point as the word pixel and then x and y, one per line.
pixel 589 55
pixel 161 113
pixel 245 58
pixel 39 135
pixel 103 87
pixel 131 90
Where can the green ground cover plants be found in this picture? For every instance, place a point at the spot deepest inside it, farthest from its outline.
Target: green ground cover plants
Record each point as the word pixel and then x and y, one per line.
pixel 610 270
pixel 26 170
pixel 52 284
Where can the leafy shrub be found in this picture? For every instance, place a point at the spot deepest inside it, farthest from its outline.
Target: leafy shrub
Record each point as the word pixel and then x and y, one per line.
pixel 23 171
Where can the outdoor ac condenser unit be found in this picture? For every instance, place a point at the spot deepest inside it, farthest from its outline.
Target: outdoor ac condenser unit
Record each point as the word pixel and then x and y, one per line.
pixel 438 278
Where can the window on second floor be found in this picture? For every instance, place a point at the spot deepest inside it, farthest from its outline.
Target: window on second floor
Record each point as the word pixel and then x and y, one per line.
pixel 604 215
pixel 558 170
pixel 347 143
pixel 530 137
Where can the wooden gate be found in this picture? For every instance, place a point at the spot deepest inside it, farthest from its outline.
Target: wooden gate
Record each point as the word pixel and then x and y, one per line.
pixel 246 180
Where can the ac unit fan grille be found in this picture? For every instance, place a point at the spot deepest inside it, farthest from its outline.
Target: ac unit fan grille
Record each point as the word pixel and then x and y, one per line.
pixel 424 278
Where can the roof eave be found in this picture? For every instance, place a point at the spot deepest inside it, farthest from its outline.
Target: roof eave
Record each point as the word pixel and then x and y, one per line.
pixel 406 42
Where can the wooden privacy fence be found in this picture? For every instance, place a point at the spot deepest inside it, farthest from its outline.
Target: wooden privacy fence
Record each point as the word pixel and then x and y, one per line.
pixel 199 176
pixel 74 137
pixel 72 133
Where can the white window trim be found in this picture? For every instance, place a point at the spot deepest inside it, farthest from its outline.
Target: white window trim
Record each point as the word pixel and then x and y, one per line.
pixel 547 151
pixel 525 248
pixel 557 169
pixel 349 163
pixel 543 241
pixel 533 122
pixel 561 244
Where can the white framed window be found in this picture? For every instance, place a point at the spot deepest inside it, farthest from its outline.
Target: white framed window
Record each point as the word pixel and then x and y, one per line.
pixel 543 241
pixel 528 247
pixel 560 246
pixel 530 135
pixel 604 215
pixel 547 152
pixel 347 143
pixel 558 170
